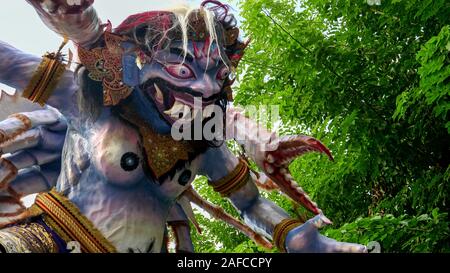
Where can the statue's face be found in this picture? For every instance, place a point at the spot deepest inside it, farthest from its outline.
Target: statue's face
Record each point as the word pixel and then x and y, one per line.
pixel 176 83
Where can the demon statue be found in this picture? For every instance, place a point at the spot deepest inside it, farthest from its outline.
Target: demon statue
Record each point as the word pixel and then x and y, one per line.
pixel 101 151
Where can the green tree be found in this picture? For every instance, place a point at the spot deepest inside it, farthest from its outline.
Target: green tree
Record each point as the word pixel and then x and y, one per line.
pixel 372 82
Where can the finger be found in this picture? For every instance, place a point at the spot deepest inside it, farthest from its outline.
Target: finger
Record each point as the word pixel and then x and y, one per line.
pixel 25 140
pixel 333 246
pixel 10 166
pixel 320 221
pixel 36 179
pixel 10 204
pixel 329 245
pixel 282 177
pixel 7 173
pixel 52 141
pixel 74 6
pixel 28 158
pixel 291 147
pixel 41 138
pixel 60 125
pixel 17 124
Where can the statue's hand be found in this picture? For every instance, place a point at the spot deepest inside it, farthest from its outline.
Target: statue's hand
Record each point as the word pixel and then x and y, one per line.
pixel 307 239
pixel 278 155
pixel 280 152
pixel 31 145
pixel 75 20
pixel 61 6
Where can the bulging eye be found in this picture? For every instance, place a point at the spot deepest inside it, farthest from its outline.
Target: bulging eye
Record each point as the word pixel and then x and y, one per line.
pixel 180 71
pixel 223 73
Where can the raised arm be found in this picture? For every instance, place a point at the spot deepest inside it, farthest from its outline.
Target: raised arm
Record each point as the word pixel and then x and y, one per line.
pixel 17 69
pixel 272 154
pixel 230 177
pixel 76 20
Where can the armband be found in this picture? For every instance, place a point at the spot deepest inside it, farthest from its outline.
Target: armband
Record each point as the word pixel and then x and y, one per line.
pixel 281 230
pixel 46 77
pixel 234 181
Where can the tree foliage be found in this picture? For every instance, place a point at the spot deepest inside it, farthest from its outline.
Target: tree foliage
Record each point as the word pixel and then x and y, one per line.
pixel 372 82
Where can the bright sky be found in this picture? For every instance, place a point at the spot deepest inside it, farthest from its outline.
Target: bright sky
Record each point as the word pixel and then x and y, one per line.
pixel 22 28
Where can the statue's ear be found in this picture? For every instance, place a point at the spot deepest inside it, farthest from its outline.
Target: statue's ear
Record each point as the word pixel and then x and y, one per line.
pixel 130 70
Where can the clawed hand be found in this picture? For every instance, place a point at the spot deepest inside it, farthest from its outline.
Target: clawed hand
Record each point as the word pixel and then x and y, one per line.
pixel 275 163
pixel 62 6
pixel 307 239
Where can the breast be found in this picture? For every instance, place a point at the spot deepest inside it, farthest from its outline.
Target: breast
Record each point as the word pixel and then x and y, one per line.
pixel 117 152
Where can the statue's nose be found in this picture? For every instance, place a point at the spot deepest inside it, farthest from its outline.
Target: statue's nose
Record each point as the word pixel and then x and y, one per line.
pixel 207 86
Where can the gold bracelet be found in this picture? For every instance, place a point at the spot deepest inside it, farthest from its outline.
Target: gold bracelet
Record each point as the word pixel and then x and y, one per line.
pixel 45 79
pixel 281 230
pixel 234 181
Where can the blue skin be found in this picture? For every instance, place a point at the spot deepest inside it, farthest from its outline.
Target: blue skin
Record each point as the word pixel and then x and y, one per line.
pixel 190 74
pixel 141 201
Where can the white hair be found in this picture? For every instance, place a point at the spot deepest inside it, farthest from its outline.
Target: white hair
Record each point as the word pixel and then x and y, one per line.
pixel 182 13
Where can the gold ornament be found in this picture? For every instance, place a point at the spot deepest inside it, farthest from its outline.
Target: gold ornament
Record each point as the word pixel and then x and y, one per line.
pixel 105 65
pixel 163 152
pixel 66 220
pixel 234 181
pixel 46 77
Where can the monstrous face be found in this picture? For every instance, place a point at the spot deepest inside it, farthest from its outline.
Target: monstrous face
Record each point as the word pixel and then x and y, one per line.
pixel 174 60
pixel 172 80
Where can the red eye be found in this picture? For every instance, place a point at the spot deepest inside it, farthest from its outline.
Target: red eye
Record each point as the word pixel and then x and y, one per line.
pixel 223 73
pixel 180 71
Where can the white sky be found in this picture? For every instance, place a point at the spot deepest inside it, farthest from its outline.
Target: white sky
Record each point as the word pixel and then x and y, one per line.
pixel 22 28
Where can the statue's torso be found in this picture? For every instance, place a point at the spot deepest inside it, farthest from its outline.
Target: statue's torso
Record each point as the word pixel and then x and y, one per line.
pixel 105 174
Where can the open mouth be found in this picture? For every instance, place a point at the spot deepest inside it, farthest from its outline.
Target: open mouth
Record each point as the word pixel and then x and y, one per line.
pixel 175 105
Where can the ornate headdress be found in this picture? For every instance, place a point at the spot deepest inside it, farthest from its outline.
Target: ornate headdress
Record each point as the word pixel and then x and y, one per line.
pixel 104 63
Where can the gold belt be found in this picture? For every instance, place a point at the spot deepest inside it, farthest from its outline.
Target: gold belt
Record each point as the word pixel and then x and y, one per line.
pixel 66 220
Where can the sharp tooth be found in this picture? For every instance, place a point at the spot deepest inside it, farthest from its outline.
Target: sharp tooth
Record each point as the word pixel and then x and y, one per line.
pixel 176 109
pixel 179 110
pixel 159 95
pixel 186 112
